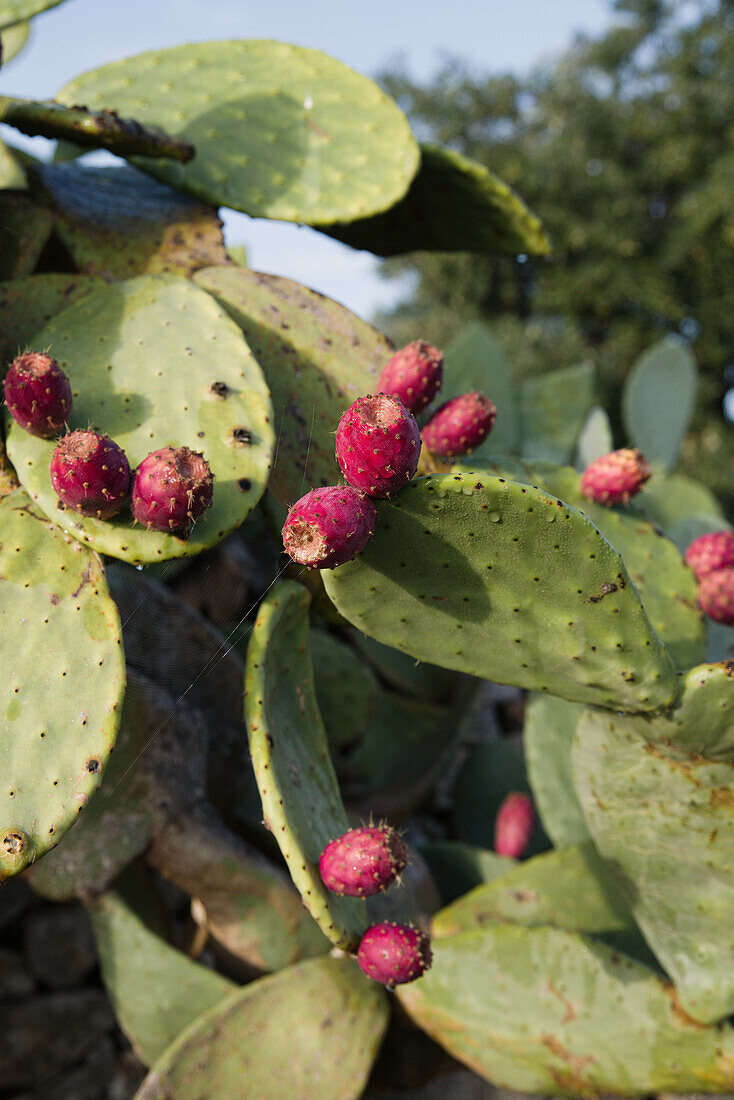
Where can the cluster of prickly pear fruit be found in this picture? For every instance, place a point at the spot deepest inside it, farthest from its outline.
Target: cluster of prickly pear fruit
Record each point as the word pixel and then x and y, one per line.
pixel 711 557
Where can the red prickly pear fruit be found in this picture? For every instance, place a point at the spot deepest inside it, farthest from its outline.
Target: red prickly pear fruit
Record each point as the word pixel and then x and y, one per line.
pixel 378 445
pixel 171 488
pixel 38 394
pixel 716 596
pixel 329 526
pixel 90 474
pixel 514 824
pixel 616 477
pixel 714 550
pixel 460 425
pixel 413 375
pixel 363 861
pixel 394 953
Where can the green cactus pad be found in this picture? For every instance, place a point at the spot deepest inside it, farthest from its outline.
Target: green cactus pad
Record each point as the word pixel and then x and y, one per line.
pixel 14 39
pixel 24 230
pixel 64 677
pixel 491 771
pixel 476 361
pixel 300 795
pixel 454 204
pixel 683 531
pixel 567 889
pixel 117 222
pixel 13 176
pixel 547 738
pixel 541 1010
pixel 347 690
pixel 472 572
pixel 553 408
pixel 317 358
pixel 156 991
pixel 429 683
pixel 14 11
pixel 27 304
pixel 665 584
pixel 280 131
pixel 159 754
pixel 658 399
pixel 458 868
pixel 143 358
pixel 666 825
pixel 595 438
pixel 312 1030
pixel 702 722
pixel 666 500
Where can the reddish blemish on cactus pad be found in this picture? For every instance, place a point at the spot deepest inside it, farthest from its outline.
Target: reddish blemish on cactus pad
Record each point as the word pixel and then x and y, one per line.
pixel 394 953
pixel 460 425
pixel 514 824
pixel 329 526
pixel 716 596
pixel 90 474
pixel 363 861
pixel 714 550
pixel 378 445
pixel 171 488
pixel 616 477
pixel 38 394
pixel 413 375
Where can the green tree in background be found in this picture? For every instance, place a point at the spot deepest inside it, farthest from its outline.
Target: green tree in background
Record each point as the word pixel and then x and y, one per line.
pixel 625 148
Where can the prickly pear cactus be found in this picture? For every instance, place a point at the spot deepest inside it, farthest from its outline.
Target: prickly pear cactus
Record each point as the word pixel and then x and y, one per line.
pixel 26 305
pixel 14 11
pixel 64 679
pixel 155 361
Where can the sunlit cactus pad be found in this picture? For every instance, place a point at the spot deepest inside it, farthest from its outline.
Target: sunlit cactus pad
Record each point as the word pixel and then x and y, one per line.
pixel 117 222
pixel 15 11
pixel 453 204
pixel 317 358
pixel 280 131
pixel 63 680
pixel 155 361
pixel 26 305
pixel 504 581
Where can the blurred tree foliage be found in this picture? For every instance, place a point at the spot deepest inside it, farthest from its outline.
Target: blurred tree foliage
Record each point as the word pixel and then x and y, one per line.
pixel 625 148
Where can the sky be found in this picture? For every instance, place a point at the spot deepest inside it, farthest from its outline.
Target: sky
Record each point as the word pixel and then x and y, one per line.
pixel 491 35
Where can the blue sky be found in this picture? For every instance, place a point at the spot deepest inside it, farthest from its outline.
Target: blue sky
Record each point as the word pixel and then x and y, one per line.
pixel 491 35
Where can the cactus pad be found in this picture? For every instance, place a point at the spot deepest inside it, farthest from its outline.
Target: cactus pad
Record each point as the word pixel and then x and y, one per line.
pixel 554 406
pixel 280 131
pixel 702 722
pixel 529 1009
pixel 658 399
pixel 595 438
pixel 312 1030
pixel 14 11
pixel 24 230
pixel 550 724
pixel 317 358
pixel 155 361
pixel 64 674
pixel 301 802
pixel 347 690
pixel 453 204
pixel 458 868
pixel 476 361
pixel 666 824
pixel 13 176
pixel 118 222
pixel 471 571
pixel 156 991
pixel 27 304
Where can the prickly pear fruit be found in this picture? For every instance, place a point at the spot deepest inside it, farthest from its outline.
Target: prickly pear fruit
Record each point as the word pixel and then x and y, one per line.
pixel 460 425
pixel 716 596
pixel 514 824
pixel 616 477
pixel 378 445
pixel 394 953
pixel 91 474
pixel 714 550
pixel 413 375
pixel 327 527
pixel 38 394
pixel 363 861
pixel 171 488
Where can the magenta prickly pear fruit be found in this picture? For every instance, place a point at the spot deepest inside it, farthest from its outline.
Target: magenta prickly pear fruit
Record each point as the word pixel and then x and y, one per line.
pixel 91 474
pixel 413 375
pixel 514 824
pixel 460 425
pixel 38 394
pixel 171 488
pixel 394 953
pixel 716 596
pixel 616 477
pixel 363 861
pixel 714 550
pixel 378 445
pixel 329 526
